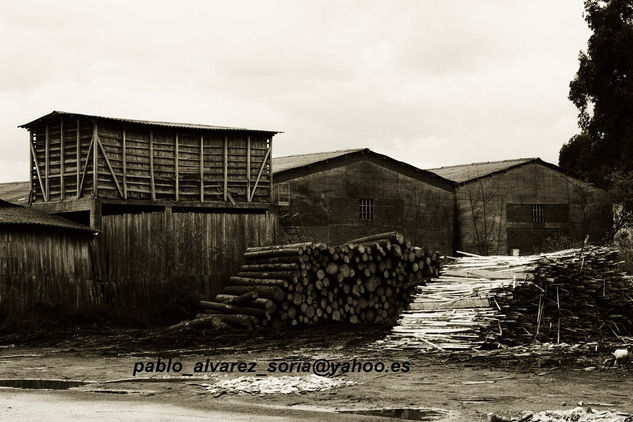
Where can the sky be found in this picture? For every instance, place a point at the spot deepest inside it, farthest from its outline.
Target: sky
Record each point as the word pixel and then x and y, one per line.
pixel 426 82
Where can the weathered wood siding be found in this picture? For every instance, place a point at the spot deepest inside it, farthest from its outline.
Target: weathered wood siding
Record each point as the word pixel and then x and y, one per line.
pixel 149 253
pixel 45 266
pixel 148 163
pixel 495 212
pixel 326 205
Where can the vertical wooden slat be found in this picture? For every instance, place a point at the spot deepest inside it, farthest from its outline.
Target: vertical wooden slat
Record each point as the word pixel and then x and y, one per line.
pixel 95 160
pixel 47 161
pixel 31 166
pixel 248 169
pixel 61 159
pixel 78 154
pixel 151 164
pixel 270 169
pixel 176 163
pixel 124 158
pixel 226 166
pixel 202 169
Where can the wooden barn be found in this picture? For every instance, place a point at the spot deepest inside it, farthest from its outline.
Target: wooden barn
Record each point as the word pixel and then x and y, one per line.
pixel 44 260
pixel 524 204
pixel 337 196
pixel 176 204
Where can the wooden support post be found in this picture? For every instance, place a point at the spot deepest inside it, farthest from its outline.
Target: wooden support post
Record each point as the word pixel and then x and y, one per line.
pixel 226 167
pixel 124 164
pixel 107 160
pixel 46 158
pixel 95 214
pixel 248 169
pixel 78 162
pixel 270 170
pixel 30 166
pixel 259 175
pixel 61 159
pixel 202 169
pixel 39 175
pixel 95 160
pixel 85 171
pixel 151 165
pixel 176 163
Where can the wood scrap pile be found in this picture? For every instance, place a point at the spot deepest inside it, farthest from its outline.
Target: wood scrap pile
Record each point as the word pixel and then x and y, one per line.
pixel 367 280
pixel 566 296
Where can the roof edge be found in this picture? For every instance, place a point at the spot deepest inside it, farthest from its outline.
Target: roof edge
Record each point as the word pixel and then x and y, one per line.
pixel 190 126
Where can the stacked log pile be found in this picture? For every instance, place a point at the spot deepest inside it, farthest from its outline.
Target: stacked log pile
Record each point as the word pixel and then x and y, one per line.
pixel 367 280
pixel 568 296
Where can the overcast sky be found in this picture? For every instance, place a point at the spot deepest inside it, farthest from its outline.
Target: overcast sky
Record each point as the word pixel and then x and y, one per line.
pixel 428 82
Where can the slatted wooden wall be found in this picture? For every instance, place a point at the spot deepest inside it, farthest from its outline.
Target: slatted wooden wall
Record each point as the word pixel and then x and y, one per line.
pixel 150 252
pixel 148 162
pixel 45 266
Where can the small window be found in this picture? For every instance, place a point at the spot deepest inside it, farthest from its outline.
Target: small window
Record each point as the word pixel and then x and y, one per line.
pixel 537 213
pixel 366 209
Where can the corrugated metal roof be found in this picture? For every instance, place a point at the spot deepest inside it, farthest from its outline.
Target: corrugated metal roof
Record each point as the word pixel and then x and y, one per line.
pixel 18 215
pixel 295 161
pixel 466 172
pixel 143 122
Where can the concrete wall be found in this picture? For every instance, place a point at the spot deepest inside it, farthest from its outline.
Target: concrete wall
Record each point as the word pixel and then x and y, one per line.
pixel 495 212
pixel 326 205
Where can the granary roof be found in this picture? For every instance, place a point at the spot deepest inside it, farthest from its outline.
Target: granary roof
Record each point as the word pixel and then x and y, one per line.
pixel 19 215
pixel 463 173
pixel 288 167
pixel 15 192
pixel 194 126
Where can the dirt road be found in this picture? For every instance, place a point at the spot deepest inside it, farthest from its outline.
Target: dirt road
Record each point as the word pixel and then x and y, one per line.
pixel 465 387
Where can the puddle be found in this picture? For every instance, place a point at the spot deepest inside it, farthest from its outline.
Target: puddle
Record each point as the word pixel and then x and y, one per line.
pixel 40 384
pixel 411 414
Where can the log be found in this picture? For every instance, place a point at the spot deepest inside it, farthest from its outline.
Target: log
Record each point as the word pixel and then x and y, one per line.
pixel 274 293
pixel 209 321
pixel 232 309
pixel 235 300
pixel 248 281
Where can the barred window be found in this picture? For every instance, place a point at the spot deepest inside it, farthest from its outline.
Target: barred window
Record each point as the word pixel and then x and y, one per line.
pixel 537 213
pixel 366 209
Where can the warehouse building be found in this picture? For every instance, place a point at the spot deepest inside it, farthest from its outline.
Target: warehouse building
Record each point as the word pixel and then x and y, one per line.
pixel 341 195
pixel 524 205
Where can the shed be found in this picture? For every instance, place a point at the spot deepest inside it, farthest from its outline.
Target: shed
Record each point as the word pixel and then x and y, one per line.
pixel 44 260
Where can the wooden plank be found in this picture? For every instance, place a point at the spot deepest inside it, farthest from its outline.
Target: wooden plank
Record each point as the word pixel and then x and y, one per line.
pixel 95 162
pixel 39 176
pixel 107 160
pixel 30 167
pixel 46 169
pixel 85 171
pixel 177 168
pixel 248 169
pixel 78 155
pixel 123 134
pixel 202 169
pixel 151 165
pixel 226 166
pixel 270 167
pixel 61 159
pixel 259 174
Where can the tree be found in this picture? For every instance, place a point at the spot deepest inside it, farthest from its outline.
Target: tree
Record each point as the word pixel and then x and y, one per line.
pixel 602 90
